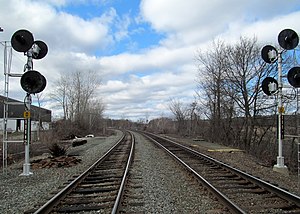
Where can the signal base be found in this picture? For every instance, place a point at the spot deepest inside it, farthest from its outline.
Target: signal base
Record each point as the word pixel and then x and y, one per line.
pixel 280 167
pixel 26 170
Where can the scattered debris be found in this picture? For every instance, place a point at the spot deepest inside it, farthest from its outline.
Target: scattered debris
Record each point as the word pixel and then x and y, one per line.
pixel 55 162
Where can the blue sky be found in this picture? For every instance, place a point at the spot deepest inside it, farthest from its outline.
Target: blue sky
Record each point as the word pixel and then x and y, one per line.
pixel 136 34
pixel 144 51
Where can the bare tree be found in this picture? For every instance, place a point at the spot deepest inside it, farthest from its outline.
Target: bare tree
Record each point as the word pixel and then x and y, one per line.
pixel 180 112
pixel 82 89
pixel 211 92
pixel 60 94
pixel 229 80
pixel 162 125
pixel 74 93
pixel 193 118
pixel 244 76
pixel 94 114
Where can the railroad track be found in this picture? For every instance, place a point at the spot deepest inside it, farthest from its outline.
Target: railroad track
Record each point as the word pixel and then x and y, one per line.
pixel 99 188
pixel 237 190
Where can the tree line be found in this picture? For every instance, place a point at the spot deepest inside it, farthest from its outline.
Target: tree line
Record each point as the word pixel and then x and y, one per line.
pixel 230 107
pixel 82 111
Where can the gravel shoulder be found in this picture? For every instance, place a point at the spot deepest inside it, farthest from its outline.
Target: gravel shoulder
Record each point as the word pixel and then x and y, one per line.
pixel 21 193
pixel 244 162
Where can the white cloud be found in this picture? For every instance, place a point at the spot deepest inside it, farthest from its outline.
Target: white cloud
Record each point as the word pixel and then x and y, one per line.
pixel 151 92
pixel 266 31
pixel 153 59
pixel 59 30
pixel 113 86
pixel 140 82
pixel 195 21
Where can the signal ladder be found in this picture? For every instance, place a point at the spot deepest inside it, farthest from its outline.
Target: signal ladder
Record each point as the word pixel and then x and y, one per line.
pixel 6 103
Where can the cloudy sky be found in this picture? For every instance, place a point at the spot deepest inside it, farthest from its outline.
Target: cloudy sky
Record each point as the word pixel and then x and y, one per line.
pixel 144 51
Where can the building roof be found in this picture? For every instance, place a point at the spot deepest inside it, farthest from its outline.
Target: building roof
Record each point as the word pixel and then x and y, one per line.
pixel 16 110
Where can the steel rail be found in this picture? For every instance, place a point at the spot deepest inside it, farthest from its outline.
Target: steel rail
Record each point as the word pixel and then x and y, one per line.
pixel 226 201
pixel 263 184
pixel 281 192
pixel 48 206
pixel 122 186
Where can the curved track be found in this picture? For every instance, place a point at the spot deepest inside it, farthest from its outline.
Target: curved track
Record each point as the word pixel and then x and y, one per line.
pixel 100 187
pixel 237 190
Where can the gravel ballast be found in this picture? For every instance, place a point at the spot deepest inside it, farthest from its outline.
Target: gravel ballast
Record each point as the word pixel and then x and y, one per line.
pixel 166 186
pixel 246 163
pixel 20 193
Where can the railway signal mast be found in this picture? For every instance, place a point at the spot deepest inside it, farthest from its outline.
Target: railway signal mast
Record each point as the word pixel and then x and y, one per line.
pixel 31 81
pixel 288 40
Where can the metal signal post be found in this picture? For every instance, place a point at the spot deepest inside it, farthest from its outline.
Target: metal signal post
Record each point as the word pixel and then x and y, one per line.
pixel 288 40
pixel 280 159
pixel 31 81
pixel 27 136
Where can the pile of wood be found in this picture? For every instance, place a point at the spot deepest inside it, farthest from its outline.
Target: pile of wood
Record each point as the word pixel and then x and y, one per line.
pixel 78 142
pixel 55 162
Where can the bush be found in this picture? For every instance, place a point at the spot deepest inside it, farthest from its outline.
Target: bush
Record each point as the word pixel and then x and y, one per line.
pixel 57 150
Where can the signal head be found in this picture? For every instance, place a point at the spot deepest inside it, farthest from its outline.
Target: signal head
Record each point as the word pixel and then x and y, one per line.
pixel 269 54
pixel 294 77
pixel 288 39
pixel 39 49
pixel 269 86
pixel 22 40
pixel 33 82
